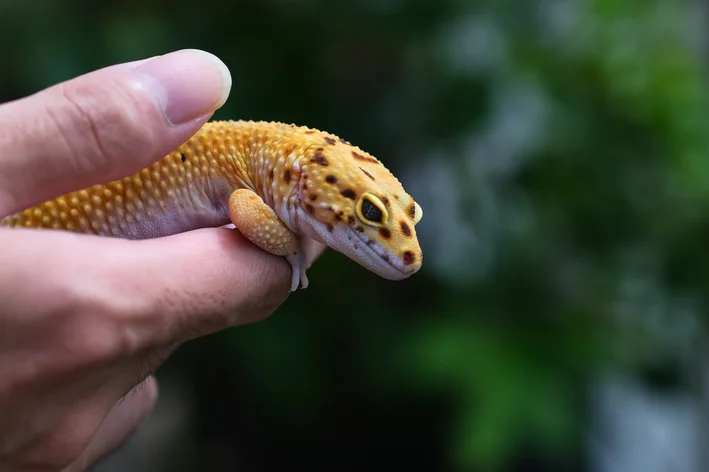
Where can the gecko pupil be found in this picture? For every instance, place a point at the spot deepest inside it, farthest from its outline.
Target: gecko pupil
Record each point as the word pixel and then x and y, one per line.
pixel 371 212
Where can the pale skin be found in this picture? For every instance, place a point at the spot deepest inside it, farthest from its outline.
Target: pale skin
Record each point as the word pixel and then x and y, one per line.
pixel 86 320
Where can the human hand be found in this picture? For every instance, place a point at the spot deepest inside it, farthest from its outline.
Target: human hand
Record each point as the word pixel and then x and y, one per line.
pixel 85 320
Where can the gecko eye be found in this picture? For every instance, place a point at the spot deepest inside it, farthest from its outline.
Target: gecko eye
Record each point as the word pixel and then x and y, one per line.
pixel 371 210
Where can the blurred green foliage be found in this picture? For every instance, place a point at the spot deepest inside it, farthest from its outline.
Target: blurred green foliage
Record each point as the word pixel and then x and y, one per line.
pixel 560 152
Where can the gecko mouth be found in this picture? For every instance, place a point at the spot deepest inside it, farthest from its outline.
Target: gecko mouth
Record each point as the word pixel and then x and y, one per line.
pixel 377 251
pixel 354 244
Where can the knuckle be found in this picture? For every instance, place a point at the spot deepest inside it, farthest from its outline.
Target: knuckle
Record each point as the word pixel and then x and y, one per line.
pixel 95 339
pixel 95 332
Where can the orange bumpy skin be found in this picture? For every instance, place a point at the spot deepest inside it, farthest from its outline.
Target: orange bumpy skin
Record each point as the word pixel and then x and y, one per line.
pixel 278 183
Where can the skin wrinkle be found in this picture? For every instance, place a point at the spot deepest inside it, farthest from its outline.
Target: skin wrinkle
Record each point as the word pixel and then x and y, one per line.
pixel 146 382
pixel 146 364
pixel 121 125
pixel 83 119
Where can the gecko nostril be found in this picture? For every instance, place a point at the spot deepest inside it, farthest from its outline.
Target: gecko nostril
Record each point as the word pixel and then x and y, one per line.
pixel 409 257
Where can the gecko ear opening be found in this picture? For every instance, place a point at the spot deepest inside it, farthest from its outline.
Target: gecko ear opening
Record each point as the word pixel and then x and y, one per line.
pixel 371 210
pixel 418 214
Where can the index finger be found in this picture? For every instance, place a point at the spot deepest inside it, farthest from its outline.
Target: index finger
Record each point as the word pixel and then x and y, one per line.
pixel 104 125
pixel 130 295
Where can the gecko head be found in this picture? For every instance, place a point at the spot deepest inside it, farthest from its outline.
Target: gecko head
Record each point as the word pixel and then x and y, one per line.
pixel 352 203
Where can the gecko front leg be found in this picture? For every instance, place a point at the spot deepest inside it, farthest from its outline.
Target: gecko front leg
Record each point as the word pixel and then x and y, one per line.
pixel 261 225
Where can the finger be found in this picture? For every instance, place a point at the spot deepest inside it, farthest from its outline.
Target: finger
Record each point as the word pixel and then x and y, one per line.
pixel 198 282
pixel 150 293
pixel 121 422
pixel 104 125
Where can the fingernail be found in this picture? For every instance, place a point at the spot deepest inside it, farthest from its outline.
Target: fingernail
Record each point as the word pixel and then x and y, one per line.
pixel 186 84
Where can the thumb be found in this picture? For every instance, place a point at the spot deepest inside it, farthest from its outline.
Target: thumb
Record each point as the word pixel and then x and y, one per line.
pixel 104 125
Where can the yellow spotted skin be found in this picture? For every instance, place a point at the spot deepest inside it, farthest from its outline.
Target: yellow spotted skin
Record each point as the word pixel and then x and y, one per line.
pixel 278 183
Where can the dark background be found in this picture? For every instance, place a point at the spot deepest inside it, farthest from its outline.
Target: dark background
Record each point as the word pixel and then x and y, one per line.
pixel 559 150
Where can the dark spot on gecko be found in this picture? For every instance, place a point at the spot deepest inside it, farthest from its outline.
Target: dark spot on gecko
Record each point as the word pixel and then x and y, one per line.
pixel 360 157
pixel 385 200
pixel 344 141
pixel 313 197
pixel 349 193
pixel 356 247
pixel 367 174
pixel 350 220
pixel 310 208
pixel 384 233
pixel 182 157
pixel 360 229
pixel 286 176
pixel 270 175
pixel 329 140
pixel 329 227
pixel 338 217
pixel 409 257
pixel 411 211
pixel 318 158
pixel 289 150
pixel 310 131
pixel 386 258
pixel 396 197
pixel 331 179
pixel 405 228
